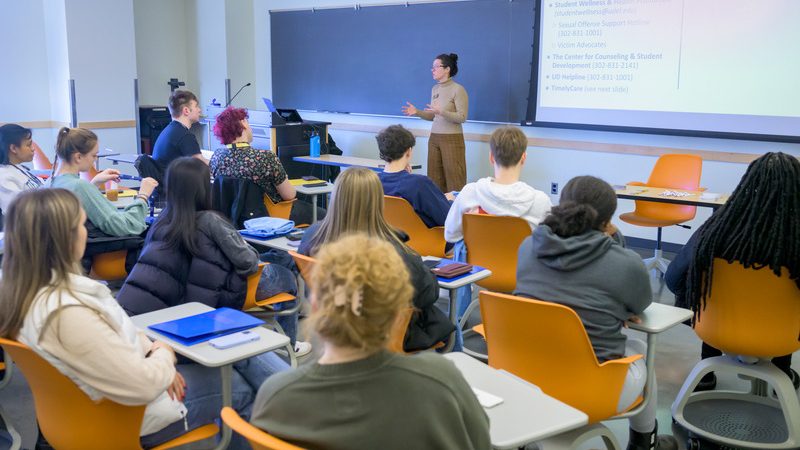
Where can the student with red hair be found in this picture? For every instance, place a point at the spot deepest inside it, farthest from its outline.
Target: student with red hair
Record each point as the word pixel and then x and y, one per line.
pixel 238 159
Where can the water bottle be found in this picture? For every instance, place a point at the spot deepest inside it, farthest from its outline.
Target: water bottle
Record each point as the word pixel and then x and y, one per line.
pixel 313 143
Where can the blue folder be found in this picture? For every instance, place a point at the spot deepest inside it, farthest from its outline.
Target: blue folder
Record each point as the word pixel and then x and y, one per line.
pixel 202 327
pixel 444 262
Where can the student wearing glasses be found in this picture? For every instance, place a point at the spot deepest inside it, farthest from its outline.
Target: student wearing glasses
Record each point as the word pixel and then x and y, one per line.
pixel 447 165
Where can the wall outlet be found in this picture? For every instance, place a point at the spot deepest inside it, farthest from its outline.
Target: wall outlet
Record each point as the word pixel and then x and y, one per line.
pixel 554 188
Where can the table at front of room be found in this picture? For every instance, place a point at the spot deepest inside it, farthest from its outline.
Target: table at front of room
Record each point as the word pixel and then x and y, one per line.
pixel 206 355
pixel 688 198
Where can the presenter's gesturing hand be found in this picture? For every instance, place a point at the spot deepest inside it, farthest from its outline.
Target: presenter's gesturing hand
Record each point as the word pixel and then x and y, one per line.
pixel 409 109
pixel 434 108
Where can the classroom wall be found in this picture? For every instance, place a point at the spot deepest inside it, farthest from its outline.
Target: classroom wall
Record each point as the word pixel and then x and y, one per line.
pixel 544 165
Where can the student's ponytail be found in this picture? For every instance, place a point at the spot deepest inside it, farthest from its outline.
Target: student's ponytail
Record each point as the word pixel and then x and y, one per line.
pixel 571 219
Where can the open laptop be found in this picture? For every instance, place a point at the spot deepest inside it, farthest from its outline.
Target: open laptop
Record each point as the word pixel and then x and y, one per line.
pixel 291 116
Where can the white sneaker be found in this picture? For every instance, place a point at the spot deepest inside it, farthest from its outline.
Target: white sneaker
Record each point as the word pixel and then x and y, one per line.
pixel 302 348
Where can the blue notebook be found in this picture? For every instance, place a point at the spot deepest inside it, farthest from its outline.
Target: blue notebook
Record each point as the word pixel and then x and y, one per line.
pixel 202 327
pixel 443 261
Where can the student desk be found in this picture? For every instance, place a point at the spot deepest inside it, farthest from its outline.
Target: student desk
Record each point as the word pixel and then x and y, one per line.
pixel 654 194
pixel 278 243
pixel 314 192
pixel 203 353
pixel 452 288
pixel 526 415
pixel 127 159
pixel 347 161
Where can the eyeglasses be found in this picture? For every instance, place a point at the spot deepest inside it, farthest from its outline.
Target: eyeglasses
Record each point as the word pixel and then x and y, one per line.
pixel 437 67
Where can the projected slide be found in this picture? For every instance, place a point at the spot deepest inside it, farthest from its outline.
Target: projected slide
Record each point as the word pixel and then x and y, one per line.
pixel 705 65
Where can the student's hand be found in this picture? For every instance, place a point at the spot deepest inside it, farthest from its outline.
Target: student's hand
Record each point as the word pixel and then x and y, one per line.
pixel 148 186
pixel 434 108
pixel 610 229
pixel 177 390
pixel 161 344
pixel 449 196
pixel 409 109
pixel 632 319
pixel 105 176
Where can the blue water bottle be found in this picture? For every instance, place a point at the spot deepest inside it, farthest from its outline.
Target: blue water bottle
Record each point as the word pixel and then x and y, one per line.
pixel 313 144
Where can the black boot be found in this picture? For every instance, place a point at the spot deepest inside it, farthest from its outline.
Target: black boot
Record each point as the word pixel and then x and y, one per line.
pixel 651 440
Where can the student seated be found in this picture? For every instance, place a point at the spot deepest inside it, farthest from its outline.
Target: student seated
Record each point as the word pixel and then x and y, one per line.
pixel 758 226
pixel 192 253
pixel 176 139
pixel 357 207
pixel 16 147
pixel 396 144
pixel 76 151
pixel 239 160
pixel 359 395
pixel 75 324
pixel 576 258
pixel 501 195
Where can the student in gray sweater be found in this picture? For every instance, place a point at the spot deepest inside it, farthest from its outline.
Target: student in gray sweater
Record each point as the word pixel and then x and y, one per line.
pixel 359 395
pixel 577 258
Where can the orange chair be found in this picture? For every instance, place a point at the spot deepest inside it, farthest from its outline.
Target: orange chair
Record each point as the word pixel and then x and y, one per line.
pixel 493 242
pixel 673 171
pixel 40 160
pixel 281 210
pixel 109 266
pixel 89 174
pixel 546 344
pixel 69 419
pixel 751 316
pixel 425 241
pixel 262 308
pixel 258 438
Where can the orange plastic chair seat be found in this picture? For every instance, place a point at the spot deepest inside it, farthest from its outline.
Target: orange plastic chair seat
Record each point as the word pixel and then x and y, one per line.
pixel 109 266
pixel 480 330
pixel 198 434
pixel 401 215
pixel 642 221
pixel 281 210
pixel 258 438
pixel 277 298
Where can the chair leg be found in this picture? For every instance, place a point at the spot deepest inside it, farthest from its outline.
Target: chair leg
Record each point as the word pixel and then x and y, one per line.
pixel 572 440
pixel 657 262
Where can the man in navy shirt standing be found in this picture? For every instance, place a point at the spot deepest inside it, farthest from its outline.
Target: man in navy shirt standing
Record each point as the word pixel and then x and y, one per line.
pixel 176 140
pixel 431 205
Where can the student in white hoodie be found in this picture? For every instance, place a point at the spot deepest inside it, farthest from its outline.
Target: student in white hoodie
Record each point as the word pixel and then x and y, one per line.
pixel 76 325
pixel 501 195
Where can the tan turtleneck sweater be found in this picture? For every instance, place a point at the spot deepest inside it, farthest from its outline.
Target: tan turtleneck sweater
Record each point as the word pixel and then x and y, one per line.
pixel 452 99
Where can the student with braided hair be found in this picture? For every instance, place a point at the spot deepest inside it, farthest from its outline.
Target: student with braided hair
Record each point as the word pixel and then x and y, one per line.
pixel 359 395
pixel 759 226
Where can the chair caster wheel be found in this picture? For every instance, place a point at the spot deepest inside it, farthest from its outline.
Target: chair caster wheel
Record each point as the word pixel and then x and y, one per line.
pixel 693 444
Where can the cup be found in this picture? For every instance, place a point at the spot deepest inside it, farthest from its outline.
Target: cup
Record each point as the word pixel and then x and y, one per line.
pixel 112 194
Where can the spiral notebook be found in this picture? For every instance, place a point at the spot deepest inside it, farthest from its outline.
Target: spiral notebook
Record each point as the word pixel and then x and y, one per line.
pixel 202 327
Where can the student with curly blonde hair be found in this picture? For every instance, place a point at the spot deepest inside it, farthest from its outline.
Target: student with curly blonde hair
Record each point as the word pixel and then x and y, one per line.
pixel 359 395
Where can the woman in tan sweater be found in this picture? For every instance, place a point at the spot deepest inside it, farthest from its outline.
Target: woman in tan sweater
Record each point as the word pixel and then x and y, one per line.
pixel 76 325
pixel 447 164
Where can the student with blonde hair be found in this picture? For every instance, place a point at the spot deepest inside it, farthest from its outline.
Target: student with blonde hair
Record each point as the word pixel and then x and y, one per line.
pixel 76 325
pixel 76 151
pixel 359 395
pixel 357 207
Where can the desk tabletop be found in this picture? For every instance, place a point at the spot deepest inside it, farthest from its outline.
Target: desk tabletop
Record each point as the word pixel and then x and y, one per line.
pixel 207 154
pixel 203 352
pixel 692 198
pixel 347 161
pixel 127 158
pixel 526 414
pixel 106 152
pixel 278 243
pixel 460 282
pixel 317 190
pixel 659 317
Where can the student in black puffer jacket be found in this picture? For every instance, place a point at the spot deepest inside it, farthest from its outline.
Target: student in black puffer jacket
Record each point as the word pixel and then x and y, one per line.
pixel 193 254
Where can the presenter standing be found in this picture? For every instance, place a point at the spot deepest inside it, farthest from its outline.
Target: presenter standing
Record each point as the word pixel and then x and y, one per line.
pixel 447 165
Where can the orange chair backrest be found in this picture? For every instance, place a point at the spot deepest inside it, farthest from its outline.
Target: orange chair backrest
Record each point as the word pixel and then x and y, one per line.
pixel 493 242
pixel 109 266
pixel 304 263
pixel 751 312
pixel 67 417
pixel 426 241
pixel 399 328
pixel 281 210
pixel 546 344
pixel 258 438
pixel 673 171
pixel 40 160
pixel 252 286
